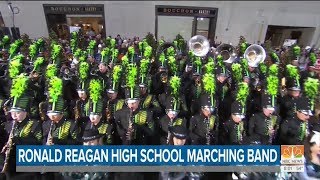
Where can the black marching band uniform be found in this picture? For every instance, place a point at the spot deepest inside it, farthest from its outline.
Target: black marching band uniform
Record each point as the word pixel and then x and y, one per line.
pixel 166 96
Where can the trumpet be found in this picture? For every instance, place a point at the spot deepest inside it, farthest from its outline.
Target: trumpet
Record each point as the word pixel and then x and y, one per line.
pixel 50 137
pixel 8 148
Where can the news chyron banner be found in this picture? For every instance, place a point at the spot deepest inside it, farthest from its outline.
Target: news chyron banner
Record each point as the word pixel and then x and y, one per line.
pixel 157 158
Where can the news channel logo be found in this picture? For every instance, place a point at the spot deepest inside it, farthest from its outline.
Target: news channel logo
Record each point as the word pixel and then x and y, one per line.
pixel 292 158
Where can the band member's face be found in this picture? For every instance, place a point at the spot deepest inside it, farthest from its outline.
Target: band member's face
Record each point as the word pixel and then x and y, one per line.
pixel 221 78
pixel 251 69
pixel 294 94
pixel 102 68
pixel 55 117
pixel 143 90
pixel 246 80
pixel 91 59
pixel 236 118
pixel 268 112
pixel 95 119
pixel 206 111
pixel 133 105
pixel 315 149
pixel 303 116
pixel 18 115
pixel 91 143
pixel 113 96
pixel 295 63
pixel 178 142
pixel 82 95
pixel 172 114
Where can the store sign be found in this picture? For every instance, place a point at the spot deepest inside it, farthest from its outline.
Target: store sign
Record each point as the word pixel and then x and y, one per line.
pixel 185 11
pixel 73 9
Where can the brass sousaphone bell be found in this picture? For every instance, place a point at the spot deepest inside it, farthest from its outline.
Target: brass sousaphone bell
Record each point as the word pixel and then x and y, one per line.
pixel 227 51
pixel 199 45
pixel 255 54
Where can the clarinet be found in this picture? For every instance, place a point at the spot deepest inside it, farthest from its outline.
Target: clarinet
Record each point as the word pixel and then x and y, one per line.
pixel 208 132
pixel 50 138
pixel 271 127
pixel 169 133
pixel 108 112
pixel 130 127
pixel 77 110
pixel 8 148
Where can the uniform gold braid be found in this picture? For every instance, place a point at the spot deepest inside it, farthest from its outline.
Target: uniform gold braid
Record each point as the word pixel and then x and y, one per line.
pixel 38 135
pixel 64 130
pixel 147 102
pixel 211 122
pixel 119 104
pixel 178 122
pixel 26 129
pixel 103 129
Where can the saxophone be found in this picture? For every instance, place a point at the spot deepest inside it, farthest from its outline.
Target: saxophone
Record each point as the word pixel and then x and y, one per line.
pixel 76 109
pixel 208 132
pixel 50 138
pixel 130 127
pixel 8 148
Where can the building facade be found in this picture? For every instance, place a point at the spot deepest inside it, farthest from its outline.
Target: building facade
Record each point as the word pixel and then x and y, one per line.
pixel 223 21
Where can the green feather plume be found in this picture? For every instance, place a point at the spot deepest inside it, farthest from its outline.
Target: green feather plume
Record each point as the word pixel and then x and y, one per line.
pixel 140 44
pixel 171 51
pixel 245 66
pixel 162 58
pixel 311 88
pixel 210 59
pixel 132 75
pixel 19 86
pixel 198 63
pixel 274 57
pixel 144 67
pixel 112 43
pixel 296 51
pixel 292 71
pixel 91 46
pixel 15 66
pixel 148 52
pixel 209 83
pixel 242 93
pixel 220 60
pixel 40 44
pixel 116 74
pixel 263 68
pixel 77 53
pixel 243 47
pixel 173 64
pixel 312 58
pixel 272 85
pixel 14 47
pixel 37 63
pixel 105 54
pixel 95 89
pixel 5 41
pixel 209 67
pixel 175 83
pixel 237 72
pixel 83 70
pixel 175 43
pixel 51 71
pixel 124 61
pixel 56 52
pixel 55 89
pixel 114 54
pixel 273 70
pixel 32 51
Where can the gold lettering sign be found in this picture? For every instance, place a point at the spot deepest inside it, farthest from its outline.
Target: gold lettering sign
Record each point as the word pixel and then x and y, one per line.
pixel 74 9
pixel 185 11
